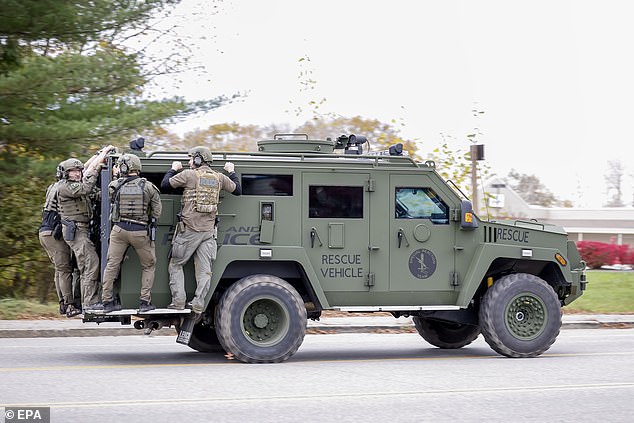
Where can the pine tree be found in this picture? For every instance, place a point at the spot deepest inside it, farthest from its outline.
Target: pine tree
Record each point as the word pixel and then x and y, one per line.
pixel 68 85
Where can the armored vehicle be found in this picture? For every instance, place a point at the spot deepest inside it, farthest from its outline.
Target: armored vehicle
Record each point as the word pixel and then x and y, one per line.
pixel 322 226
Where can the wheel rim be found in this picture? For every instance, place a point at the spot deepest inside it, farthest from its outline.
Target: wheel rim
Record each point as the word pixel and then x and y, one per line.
pixel 526 316
pixel 265 321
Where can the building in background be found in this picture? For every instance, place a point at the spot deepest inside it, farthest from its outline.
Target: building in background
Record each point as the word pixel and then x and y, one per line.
pixel 607 224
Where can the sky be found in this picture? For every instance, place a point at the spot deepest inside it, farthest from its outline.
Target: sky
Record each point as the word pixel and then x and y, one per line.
pixel 555 79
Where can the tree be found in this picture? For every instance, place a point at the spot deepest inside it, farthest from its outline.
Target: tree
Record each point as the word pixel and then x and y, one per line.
pixel 454 163
pixel 531 189
pixel 231 136
pixel 68 83
pixel 614 182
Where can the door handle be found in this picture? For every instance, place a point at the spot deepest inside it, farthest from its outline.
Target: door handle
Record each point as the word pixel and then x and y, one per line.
pixel 313 235
pixel 401 237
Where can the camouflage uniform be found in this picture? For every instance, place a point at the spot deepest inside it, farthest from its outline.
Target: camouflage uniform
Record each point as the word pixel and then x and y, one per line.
pixel 132 229
pixel 75 208
pixel 57 250
pixel 196 234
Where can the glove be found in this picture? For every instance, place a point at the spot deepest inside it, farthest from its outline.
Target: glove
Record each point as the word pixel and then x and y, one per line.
pixel 229 167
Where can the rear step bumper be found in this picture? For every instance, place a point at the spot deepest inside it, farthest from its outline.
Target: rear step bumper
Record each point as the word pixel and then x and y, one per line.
pixel 125 316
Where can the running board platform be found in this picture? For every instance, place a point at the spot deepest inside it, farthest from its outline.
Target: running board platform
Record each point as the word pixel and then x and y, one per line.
pixel 357 309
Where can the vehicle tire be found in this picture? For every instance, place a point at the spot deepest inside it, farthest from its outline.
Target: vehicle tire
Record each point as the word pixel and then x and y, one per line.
pixel 204 339
pixel 261 319
pixel 520 316
pixel 446 335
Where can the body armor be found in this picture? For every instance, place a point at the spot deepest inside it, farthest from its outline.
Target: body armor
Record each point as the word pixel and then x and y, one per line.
pixel 129 203
pixel 75 208
pixel 205 195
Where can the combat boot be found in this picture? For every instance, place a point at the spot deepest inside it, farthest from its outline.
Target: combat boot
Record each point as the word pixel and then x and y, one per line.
pixel 109 306
pixel 93 307
pixel 146 306
pixel 72 311
pixel 190 305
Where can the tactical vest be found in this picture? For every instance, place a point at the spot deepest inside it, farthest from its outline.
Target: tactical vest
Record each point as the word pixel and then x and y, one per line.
pixel 206 194
pixel 129 203
pixel 74 208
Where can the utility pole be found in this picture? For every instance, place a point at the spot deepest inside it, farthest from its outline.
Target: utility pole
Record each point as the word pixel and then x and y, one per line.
pixel 477 153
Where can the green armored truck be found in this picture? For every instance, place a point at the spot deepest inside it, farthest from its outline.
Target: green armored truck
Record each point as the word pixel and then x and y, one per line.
pixel 322 226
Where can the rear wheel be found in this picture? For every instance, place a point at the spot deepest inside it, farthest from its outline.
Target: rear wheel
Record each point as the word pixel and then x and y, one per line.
pixel 520 316
pixel 446 335
pixel 261 319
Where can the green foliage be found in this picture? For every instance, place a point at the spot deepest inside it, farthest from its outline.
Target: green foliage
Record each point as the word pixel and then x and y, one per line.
pixel 25 269
pixel 68 85
pixel 453 164
pixel 608 292
pixel 66 78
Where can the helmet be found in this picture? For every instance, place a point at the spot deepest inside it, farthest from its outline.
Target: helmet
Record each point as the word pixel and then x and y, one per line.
pixel 129 163
pixel 200 155
pixel 69 164
pixel 59 171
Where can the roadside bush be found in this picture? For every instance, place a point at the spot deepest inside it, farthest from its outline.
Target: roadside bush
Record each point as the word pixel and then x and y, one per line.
pixel 597 254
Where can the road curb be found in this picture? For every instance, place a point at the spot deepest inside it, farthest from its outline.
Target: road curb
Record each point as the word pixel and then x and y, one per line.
pixel 79 332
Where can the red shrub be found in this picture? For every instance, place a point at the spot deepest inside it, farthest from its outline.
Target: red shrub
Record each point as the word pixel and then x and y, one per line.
pixel 628 257
pixel 597 254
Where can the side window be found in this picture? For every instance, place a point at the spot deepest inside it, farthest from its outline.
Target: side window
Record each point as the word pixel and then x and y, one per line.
pixel 420 203
pixel 335 202
pixel 277 185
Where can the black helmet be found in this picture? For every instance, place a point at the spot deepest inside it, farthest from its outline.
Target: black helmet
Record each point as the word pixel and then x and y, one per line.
pixel 59 171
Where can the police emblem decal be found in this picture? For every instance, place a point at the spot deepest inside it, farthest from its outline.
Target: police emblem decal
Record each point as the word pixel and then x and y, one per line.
pixel 422 263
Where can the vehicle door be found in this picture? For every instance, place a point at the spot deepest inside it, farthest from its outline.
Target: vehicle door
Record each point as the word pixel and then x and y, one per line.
pixel 421 237
pixel 335 214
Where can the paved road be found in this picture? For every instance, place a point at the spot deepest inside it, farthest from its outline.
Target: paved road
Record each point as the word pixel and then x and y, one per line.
pixel 587 376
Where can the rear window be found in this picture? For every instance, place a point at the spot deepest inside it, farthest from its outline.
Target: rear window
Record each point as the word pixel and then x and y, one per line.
pixel 335 202
pixel 276 185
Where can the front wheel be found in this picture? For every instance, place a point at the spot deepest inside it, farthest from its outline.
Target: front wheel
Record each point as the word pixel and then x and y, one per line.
pixel 446 335
pixel 520 316
pixel 261 319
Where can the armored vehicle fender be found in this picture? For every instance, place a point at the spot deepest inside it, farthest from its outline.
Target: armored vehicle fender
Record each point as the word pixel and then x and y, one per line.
pixel 235 262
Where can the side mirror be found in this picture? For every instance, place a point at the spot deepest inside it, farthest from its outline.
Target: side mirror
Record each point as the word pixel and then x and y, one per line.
pixel 468 219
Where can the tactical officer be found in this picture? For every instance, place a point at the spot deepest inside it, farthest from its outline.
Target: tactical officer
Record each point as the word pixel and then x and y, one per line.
pixel 195 234
pixel 136 207
pixel 75 212
pixel 58 251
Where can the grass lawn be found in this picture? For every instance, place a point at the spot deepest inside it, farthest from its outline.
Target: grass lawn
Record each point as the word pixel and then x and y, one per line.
pixel 607 292
pixel 12 309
